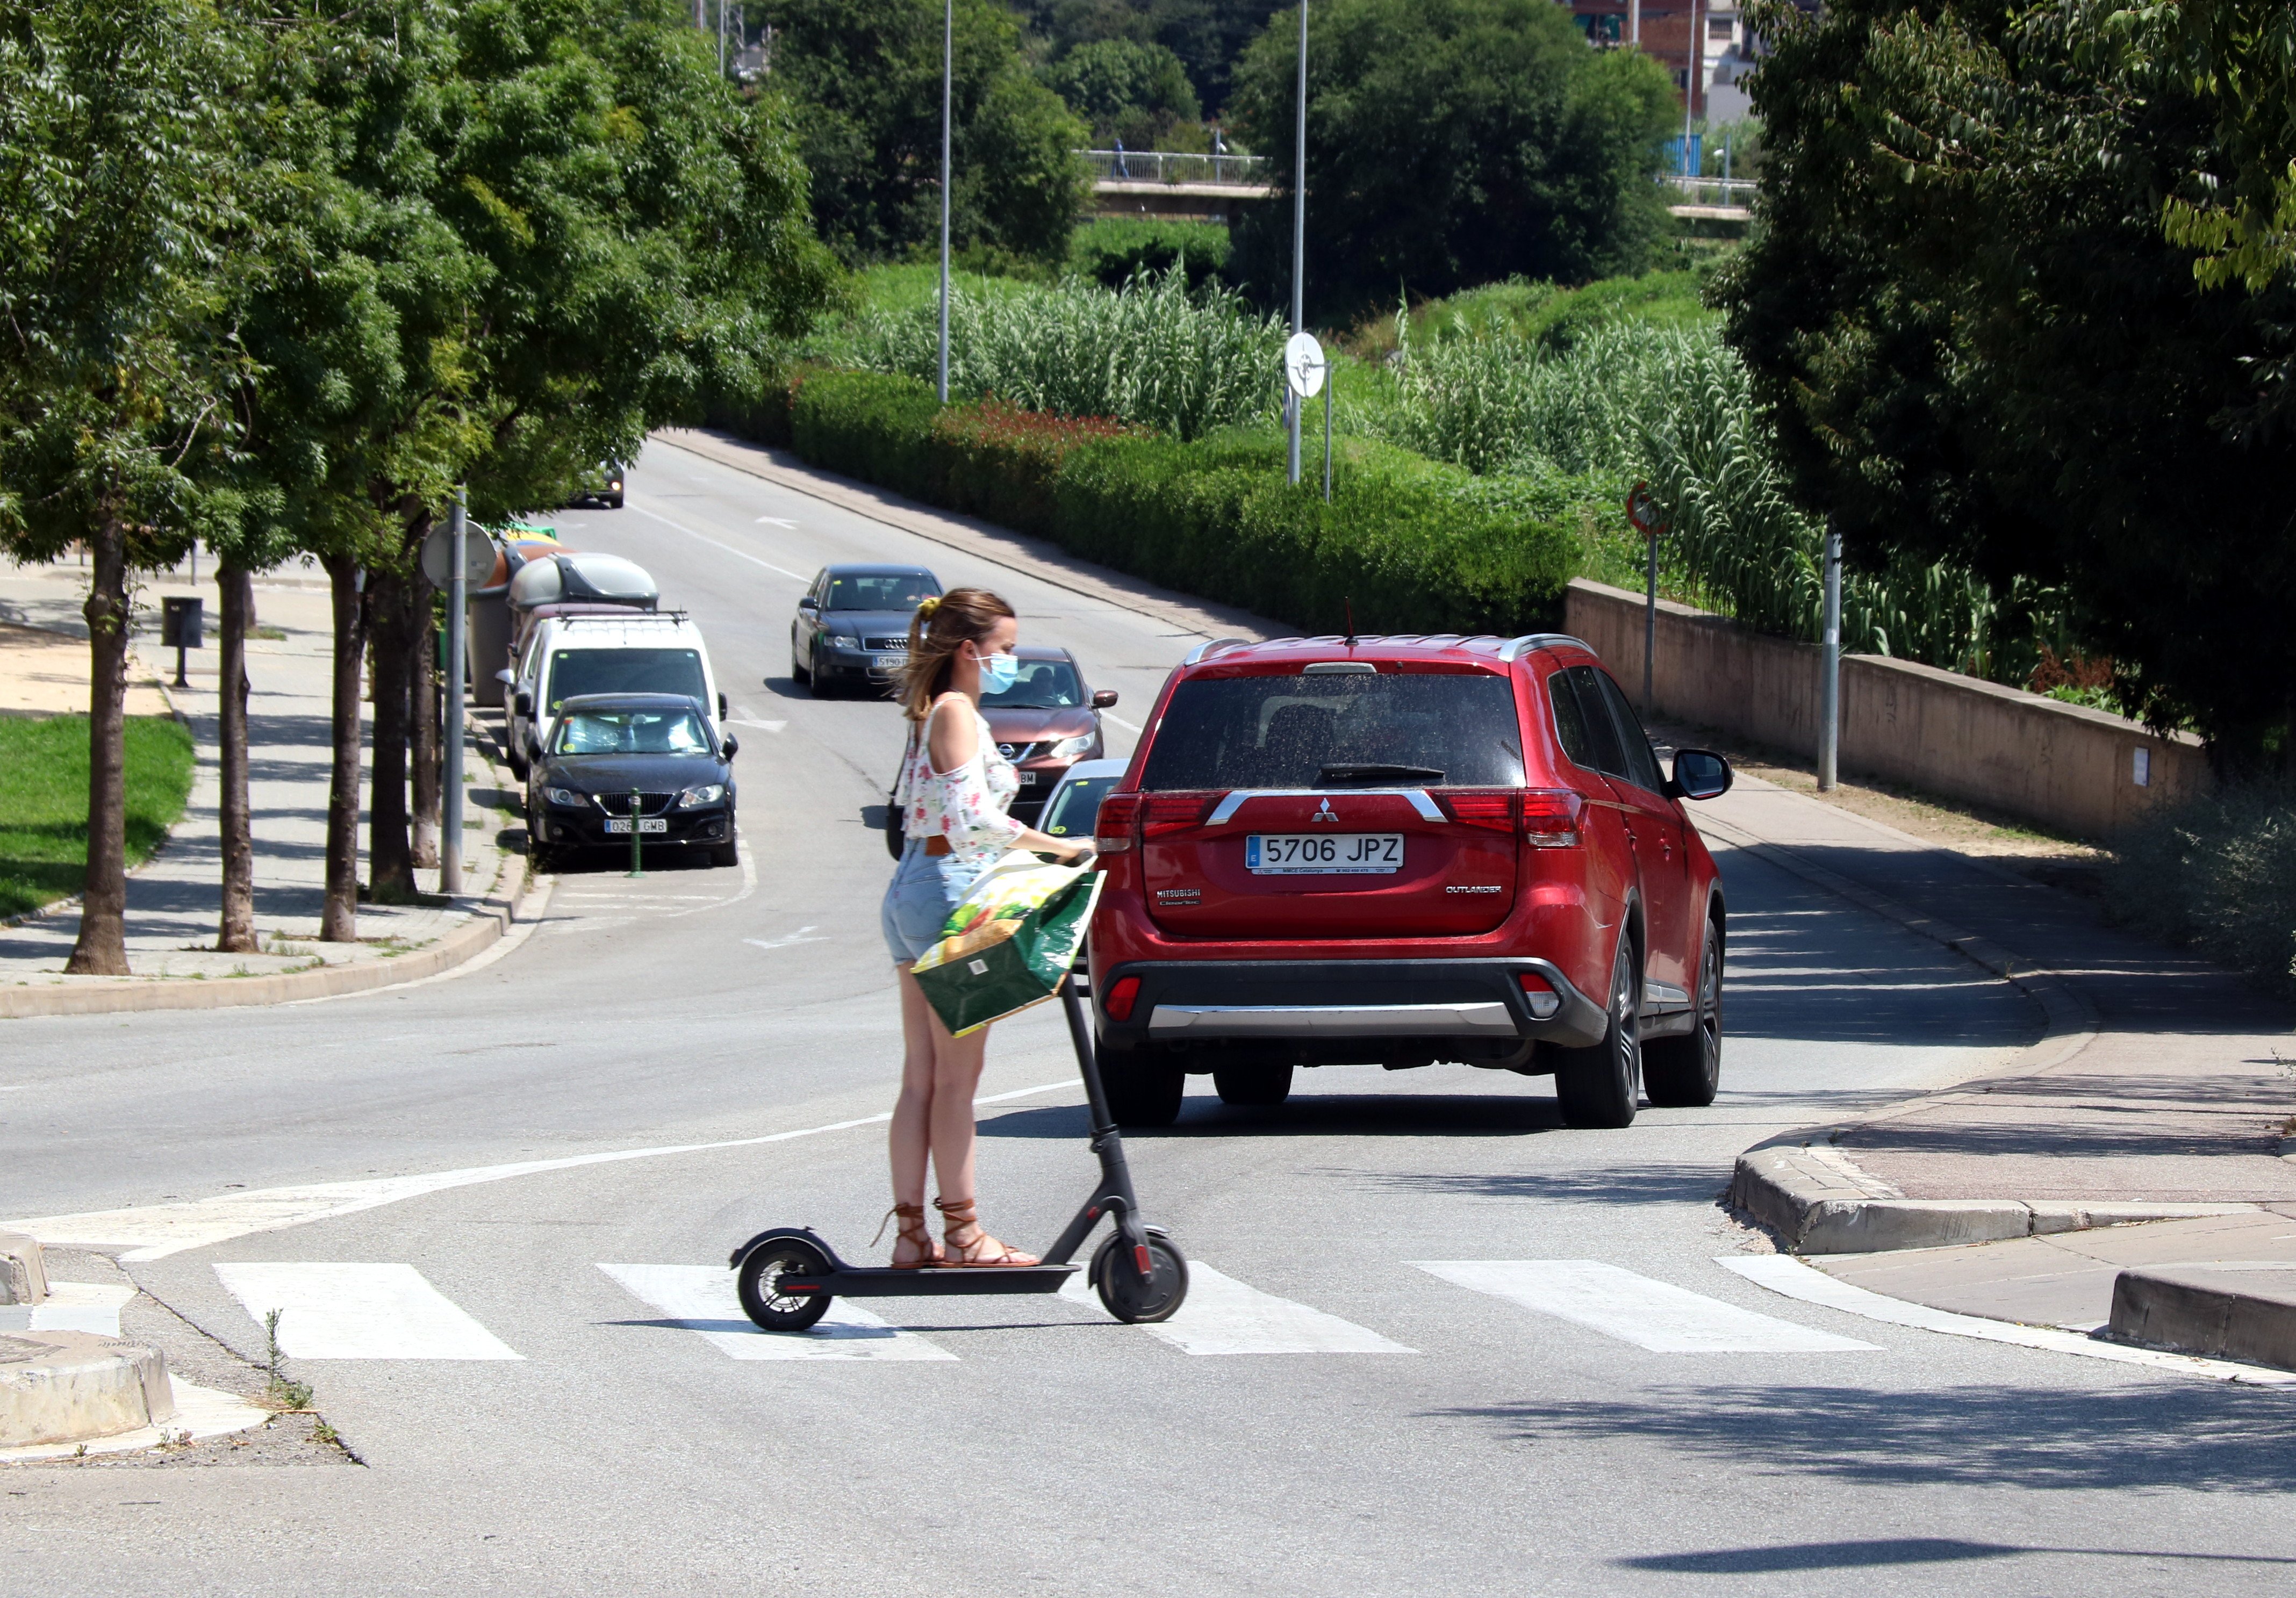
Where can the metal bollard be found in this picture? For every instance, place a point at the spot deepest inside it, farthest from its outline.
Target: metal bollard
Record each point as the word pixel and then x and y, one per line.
pixel 637 805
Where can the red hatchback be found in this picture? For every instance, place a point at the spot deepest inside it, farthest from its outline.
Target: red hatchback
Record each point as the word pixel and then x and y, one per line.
pixel 1394 851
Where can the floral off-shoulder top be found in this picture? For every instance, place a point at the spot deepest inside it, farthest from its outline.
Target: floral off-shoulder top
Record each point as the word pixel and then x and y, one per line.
pixel 966 806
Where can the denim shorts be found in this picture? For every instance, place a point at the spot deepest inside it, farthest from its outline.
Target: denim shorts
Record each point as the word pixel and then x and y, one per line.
pixel 924 888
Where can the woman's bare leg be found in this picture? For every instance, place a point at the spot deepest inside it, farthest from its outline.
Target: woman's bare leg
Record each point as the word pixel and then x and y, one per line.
pixel 909 1139
pixel 955 1077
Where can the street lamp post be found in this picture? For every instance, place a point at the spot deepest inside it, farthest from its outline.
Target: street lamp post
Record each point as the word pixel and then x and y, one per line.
pixel 1299 243
pixel 948 83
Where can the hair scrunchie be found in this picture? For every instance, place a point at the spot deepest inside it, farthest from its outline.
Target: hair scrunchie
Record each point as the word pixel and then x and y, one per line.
pixel 926 608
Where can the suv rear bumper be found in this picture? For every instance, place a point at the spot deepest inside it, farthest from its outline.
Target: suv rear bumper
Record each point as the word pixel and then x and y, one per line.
pixel 1337 1012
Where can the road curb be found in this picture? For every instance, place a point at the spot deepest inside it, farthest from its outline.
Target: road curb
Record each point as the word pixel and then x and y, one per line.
pixel 493 918
pixel 1805 1186
pixel 72 1386
pixel 2213 1313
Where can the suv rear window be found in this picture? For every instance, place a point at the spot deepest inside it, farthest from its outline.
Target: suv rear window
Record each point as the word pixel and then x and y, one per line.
pixel 578 671
pixel 1366 731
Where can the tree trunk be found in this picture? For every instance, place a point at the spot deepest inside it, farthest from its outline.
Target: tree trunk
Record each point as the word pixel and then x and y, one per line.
pixel 235 931
pixel 339 920
pixel 102 950
pixel 390 861
pixel 422 697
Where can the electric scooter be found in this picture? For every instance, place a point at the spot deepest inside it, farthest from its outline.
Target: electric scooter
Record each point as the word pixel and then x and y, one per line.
pixel 788 1278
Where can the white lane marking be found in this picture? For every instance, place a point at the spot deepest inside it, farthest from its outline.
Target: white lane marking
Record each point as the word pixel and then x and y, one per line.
pixel 782 943
pixel 715 544
pixel 360 1312
pixel 700 1299
pixel 1657 1316
pixel 1784 1274
pixel 1223 1315
pixel 776 522
pixel 770 727
pixel 1127 725
pixel 82 1306
pixel 156 1231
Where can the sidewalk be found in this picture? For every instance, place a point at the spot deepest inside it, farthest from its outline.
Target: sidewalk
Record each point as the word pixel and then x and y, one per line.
pixel 173 901
pixel 2164 1091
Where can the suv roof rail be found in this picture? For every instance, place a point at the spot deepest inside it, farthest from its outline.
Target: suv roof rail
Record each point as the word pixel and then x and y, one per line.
pixel 1515 648
pixel 1202 649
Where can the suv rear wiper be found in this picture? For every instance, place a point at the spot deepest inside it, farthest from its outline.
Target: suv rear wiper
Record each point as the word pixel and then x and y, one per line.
pixel 1344 775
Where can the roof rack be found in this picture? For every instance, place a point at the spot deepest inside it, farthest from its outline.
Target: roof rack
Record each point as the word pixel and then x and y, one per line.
pixel 1515 648
pixel 1202 650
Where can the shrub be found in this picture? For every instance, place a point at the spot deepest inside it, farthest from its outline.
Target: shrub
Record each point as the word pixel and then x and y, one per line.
pixel 1415 546
pixel 2217 874
pixel 1113 250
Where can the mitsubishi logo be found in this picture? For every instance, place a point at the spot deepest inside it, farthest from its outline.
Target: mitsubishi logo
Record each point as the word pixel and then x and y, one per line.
pixel 1325 813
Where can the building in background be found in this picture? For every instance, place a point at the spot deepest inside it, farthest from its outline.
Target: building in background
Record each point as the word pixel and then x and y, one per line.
pixel 1712 79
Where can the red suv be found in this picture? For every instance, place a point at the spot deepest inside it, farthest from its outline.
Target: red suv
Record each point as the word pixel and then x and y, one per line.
pixel 1394 851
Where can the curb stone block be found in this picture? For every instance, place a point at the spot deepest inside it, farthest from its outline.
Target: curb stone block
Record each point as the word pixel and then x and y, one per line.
pixel 23 1272
pixel 2244 1315
pixel 72 1386
pixel 1871 1226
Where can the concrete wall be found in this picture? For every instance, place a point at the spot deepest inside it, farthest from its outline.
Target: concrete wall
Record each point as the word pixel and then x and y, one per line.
pixel 2060 767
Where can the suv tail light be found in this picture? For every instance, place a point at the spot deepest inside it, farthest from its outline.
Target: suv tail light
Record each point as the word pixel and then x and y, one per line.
pixel 1170 812
pixel 1536 989
pixel 1492 810
pixel 1112 834
pixel 1550 818
pixel 1121 997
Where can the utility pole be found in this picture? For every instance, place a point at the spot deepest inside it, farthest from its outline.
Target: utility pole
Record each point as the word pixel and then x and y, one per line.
pixel 450 841
pixel 1299 243
pixel 1634 21
pixel 948 92
pixel 1829 669
pixel 1693 61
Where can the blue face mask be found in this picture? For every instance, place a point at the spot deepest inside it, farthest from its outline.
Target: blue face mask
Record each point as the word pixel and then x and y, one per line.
pixel 999 672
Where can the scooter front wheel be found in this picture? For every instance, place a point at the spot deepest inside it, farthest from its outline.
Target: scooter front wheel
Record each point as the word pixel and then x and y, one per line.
pixel 759 1283
pixel 1115 1277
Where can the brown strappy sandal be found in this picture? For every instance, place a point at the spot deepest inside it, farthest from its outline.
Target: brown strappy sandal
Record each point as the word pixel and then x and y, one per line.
pixel 913 1231
pixel 956 1214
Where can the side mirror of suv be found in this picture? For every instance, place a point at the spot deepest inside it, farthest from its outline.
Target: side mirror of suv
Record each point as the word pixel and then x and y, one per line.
pixel 1701 774
pixel 523 704
pixel 808 603
pixel 506 677
pixel 722 711
pixel 1103 698
pixel 732 746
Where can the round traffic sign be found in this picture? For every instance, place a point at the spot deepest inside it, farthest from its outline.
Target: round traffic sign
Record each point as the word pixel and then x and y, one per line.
pixel 1304 365
pixel 439 554
pixel 1642 510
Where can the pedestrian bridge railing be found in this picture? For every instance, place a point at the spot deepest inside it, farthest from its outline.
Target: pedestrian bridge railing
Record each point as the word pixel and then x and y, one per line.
pixel 1712 191
pixel 1178 168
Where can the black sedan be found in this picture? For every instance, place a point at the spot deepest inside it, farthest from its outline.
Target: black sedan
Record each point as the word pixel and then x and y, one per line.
pixel 852 627
pixel 620 760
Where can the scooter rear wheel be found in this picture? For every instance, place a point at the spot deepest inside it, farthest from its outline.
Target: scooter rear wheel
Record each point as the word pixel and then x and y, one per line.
pixel 1115 1277
pixel 762 1269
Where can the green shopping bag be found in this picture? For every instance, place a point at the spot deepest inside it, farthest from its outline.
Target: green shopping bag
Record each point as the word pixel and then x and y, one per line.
pixel 1008 943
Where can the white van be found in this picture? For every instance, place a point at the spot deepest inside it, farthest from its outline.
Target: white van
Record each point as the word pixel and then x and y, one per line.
pixel 658 652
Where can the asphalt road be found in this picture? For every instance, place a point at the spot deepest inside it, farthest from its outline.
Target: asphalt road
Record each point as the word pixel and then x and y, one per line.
pixel 1591 1404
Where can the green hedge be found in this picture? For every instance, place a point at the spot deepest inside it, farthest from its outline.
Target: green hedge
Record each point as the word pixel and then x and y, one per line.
pixel 1417 546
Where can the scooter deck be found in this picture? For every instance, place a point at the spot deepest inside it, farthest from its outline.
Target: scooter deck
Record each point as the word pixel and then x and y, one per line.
pixel 883 1281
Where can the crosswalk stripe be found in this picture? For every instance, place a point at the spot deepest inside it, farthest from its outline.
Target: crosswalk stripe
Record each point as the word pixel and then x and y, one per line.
pixel 359 1311
pixel 700 1299
pixel 1652 1315
pixel 1223 1315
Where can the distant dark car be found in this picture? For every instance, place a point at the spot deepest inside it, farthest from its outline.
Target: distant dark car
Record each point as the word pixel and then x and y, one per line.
pixel 852 627
pixel 603 486
pixel 608 749
pixel 1045 723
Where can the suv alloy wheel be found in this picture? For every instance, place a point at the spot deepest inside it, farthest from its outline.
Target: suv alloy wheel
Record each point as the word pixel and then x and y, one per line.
pixel 1685 1072
pixel 1597 1086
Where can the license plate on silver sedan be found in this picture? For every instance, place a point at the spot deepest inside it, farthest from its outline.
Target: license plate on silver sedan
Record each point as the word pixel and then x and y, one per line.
pixel 646 823
pixel 1322 854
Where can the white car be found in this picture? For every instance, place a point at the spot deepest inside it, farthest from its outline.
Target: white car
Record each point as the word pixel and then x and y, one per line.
pixel 565 656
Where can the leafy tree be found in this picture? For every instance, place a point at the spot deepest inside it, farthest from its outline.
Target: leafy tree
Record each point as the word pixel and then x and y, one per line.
pixel 1451 143
pixel 1974 340
pixel 118 191
pixel 1127 90
pixel 868 76
pixel 1206 36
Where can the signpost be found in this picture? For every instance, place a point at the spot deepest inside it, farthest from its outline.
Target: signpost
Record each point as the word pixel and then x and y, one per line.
pixel 1298 247
pixel 1642 510
pixel 1829 670
pixel 1305 368
pixel 452 560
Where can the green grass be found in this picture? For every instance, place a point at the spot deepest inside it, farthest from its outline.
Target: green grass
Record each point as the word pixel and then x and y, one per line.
pixel 44 801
